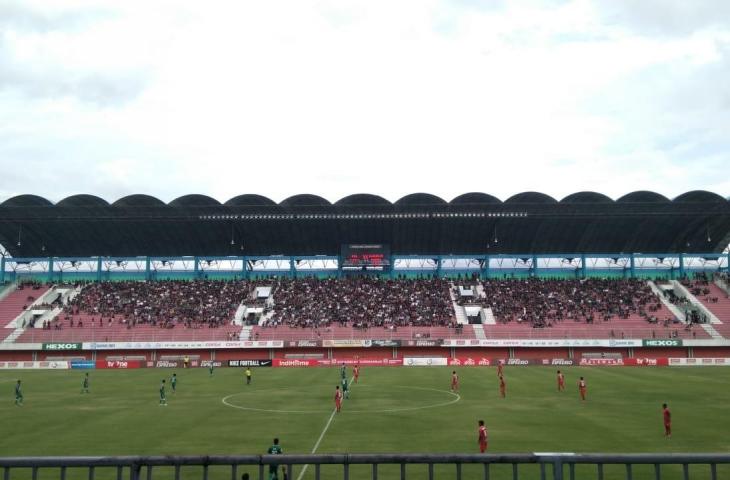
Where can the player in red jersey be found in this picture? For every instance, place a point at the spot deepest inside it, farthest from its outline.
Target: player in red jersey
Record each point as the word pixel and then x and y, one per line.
pixel 667 421
pixel 502 387
pixel 582 388
pixel 338 398
pixel 454 382
pixel 499 368
pixel 356 372
pixel 483 438
pixel 561 381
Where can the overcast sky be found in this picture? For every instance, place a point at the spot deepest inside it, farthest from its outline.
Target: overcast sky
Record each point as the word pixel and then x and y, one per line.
pixel 387 97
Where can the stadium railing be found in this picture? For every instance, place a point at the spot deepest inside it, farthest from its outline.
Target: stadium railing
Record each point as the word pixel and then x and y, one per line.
pixel 552 466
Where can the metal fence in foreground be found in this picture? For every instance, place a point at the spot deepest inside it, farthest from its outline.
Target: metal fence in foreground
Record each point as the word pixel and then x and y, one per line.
pixel 551 466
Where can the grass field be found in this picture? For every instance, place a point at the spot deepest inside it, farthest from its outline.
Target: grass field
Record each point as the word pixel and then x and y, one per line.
pixel 389 410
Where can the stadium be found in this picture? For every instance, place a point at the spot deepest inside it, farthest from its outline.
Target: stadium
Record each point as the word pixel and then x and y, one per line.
pixel 563 325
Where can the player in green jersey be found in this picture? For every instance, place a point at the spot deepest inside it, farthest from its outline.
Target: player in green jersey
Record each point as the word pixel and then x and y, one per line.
pixel 345 388
pixel 18 394
pixel 210 368
pixel 343 370
pixel 163 398
pixel 85 385
pixel 275 449
pixel 173 382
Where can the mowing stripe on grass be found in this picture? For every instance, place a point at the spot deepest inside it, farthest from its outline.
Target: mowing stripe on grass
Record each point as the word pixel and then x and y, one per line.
pixel 321 435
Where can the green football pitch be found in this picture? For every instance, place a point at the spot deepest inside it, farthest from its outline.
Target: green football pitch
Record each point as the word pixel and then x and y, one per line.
pixel 390 410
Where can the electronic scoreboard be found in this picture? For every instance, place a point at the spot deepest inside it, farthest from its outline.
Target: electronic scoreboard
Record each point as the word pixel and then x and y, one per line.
pixel 365 256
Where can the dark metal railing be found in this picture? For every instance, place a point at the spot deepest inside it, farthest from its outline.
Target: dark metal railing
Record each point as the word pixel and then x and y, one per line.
pixel 551 466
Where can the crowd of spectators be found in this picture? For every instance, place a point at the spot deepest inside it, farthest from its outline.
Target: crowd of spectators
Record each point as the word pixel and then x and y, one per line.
pixel 699 286
pixel 545 303
pixel 164 304
pixel 362 302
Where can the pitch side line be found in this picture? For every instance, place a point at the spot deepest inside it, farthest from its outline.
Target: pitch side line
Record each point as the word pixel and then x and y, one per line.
pixel 321 435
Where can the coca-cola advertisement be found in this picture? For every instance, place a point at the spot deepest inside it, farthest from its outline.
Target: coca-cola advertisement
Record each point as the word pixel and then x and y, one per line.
pixel 470 362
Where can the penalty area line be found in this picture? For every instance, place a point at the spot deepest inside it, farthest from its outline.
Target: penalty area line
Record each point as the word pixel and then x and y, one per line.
pixel 321 435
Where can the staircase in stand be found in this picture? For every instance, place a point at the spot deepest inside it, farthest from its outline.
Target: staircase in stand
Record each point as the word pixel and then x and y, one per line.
pixel 245 333
pixel 711 331
pixel 672 307
pixel 479 331
pixel 489 317
pixel 460 314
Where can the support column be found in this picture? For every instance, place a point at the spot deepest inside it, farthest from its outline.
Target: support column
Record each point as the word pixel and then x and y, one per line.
pixel 681 265
pixel 2 269
pixel 485 267
pixel 583 267
pixel 534 265
pixel 632 267
pixel 147 269
pixel 50 269
pixel 245 267
pixel 196 267
pixel 292 268
pixel 438 267
pixel 98 269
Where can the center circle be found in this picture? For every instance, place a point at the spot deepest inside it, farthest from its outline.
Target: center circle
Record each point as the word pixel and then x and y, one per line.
pixel 434 398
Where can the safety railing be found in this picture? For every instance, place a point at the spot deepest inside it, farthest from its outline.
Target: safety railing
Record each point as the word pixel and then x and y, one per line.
pixel 546 466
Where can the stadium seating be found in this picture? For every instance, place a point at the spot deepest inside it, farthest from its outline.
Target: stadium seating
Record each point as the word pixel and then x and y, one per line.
pixel 715 300
pixel 17 301
pixel 361 308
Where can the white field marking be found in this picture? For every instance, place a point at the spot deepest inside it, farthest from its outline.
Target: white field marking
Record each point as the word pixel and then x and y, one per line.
pixel 321 435
pixel 456 396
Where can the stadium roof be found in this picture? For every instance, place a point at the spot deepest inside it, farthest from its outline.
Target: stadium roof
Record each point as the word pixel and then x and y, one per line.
pixel 420 223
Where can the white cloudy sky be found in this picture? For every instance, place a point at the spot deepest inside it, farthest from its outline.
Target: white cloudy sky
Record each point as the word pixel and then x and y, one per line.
pixel 339 97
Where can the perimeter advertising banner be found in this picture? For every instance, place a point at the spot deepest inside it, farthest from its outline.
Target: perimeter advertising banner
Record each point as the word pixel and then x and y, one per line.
pixel 304 343
pixel 699 362
pixel 120 364
pixel 425 361
pixel 422 343
pixel 543 343
pixel 61 346
pixel 603 362
pixel 83 364
pixel 311 362
pixel 670 342
pixel 181 345
pixel 34 365
pixel 250 363
pixel 470 362
pixel 346 343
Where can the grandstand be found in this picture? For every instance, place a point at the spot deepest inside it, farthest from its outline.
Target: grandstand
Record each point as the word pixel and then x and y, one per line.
pixel 364 308
pixel 511 260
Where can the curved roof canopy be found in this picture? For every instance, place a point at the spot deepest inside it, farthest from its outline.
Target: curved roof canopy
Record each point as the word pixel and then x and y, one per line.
pixel 194 200
pixel 249 200
pixel 475 198
pixel 420 223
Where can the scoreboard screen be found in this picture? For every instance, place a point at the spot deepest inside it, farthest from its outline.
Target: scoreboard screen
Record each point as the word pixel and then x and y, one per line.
pixel 365 256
